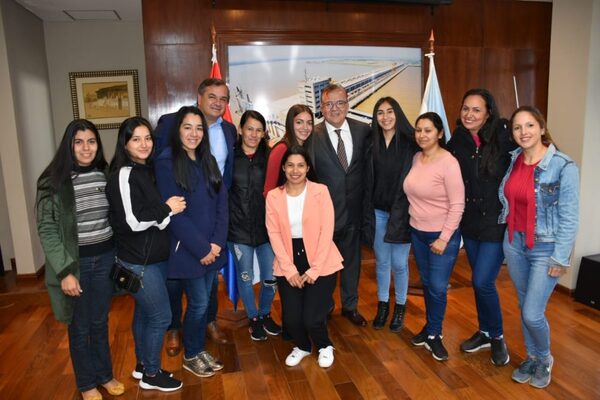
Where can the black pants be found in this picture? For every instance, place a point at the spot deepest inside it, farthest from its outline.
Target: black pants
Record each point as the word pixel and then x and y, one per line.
pixel 305 310
pixel 347 241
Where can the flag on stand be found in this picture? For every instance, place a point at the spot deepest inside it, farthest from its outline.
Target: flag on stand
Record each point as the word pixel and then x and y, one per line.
pixel 215 72
pixel 228 271
pixel 432 98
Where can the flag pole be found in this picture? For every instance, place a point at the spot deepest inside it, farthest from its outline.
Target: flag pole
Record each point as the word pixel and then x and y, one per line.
pixel 516 91
pixel 432 97
pixel 230 318
pixel 431 43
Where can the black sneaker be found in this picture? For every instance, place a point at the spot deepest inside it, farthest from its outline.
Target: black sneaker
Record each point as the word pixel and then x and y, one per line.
pixel 257 330
pixel 420 338
pixel 138 372
pixel 160 381
pixel 500 355
pixel 270 326
pixel 478 341
pixel 436 347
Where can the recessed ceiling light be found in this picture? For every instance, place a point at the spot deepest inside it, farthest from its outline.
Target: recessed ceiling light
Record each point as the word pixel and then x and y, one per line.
pixel 93 15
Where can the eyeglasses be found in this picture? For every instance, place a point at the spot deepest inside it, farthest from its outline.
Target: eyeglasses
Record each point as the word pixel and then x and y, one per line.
pixel 339 104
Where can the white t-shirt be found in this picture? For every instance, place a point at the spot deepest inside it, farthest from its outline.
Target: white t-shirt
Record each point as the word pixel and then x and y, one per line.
pixel 295 206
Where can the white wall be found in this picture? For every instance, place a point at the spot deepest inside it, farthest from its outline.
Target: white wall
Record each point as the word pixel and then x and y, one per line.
pixel 6 242
pixel 35 106
pixel 573 104
pixel 91 46
pixel 7 141
pixel 27 135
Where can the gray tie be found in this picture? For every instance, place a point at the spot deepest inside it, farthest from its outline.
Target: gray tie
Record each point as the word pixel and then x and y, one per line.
pixel 341 150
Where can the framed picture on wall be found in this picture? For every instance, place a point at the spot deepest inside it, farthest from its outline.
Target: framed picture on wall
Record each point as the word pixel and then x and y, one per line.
pixel 106 98
pixel 271 78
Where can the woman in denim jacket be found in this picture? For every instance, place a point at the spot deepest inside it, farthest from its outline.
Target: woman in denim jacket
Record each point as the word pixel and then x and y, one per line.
pixel 540 199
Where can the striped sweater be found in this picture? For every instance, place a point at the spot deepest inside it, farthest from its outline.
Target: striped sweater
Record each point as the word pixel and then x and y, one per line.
pixel 94 233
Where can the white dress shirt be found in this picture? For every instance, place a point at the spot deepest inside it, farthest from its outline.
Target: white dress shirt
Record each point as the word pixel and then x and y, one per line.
pixel 346 137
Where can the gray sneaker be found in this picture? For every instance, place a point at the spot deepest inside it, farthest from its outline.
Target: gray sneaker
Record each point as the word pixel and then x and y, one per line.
pixel 198 366
pixel 525 371
pixel 543 373
pixel 215 364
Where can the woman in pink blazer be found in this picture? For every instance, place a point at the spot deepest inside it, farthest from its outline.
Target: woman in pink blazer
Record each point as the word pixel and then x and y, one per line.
pixel 300 219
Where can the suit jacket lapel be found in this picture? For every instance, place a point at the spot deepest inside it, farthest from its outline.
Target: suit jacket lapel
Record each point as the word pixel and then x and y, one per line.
pixel 284 220
pixel 355 145
pixel 306 210
pixel 330 150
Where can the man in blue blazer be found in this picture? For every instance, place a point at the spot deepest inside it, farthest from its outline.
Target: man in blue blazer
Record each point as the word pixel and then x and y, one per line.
pixel 213 97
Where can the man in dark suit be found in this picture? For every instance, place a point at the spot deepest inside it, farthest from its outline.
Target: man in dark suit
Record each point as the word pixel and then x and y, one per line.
pixel 213 97
pixel 337 148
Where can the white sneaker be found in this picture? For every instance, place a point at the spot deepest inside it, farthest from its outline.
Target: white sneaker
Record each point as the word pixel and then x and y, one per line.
pixel 295 357
pixel 326 357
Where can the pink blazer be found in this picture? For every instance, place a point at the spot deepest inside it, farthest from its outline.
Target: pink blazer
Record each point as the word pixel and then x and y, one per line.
pixel 317 232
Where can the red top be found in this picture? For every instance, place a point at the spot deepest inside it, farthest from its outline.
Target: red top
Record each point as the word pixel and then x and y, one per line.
pixel 477 140
pixel 520 193
pixel 274 166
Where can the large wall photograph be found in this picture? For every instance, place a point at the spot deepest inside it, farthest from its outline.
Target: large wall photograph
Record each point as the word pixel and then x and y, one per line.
pixel 270 79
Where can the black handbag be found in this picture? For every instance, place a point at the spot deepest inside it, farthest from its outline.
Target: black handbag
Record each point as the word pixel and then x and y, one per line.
pixel 125 278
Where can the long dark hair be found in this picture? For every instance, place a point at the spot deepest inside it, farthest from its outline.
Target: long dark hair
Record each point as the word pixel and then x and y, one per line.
pixel 64 162
pixel 436 120
pixel 405 133
pixel 539 117
pixel 290 136
pixel 183 165
pixel 488 133
pixel 121 157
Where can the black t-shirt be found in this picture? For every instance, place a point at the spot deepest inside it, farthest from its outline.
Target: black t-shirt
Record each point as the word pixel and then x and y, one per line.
pixel 387 163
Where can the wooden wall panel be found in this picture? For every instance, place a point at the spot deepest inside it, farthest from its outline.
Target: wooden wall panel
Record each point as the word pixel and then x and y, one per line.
pixel 478 43
pixel 460 24
pixel 458 69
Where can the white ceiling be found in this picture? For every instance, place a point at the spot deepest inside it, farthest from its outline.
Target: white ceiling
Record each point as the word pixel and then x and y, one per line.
pixel 89 10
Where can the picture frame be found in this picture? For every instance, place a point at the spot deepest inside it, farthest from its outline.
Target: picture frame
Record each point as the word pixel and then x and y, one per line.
pixel 269 78
pixel 105 98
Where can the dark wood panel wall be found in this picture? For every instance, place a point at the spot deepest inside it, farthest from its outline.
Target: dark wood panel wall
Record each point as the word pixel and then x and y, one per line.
pixel 479 43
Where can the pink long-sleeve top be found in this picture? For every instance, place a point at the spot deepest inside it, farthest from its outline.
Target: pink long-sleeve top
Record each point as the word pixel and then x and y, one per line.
pixel 436 194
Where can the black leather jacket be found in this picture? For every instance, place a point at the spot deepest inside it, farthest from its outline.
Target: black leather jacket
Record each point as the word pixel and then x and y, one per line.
pixel 482 205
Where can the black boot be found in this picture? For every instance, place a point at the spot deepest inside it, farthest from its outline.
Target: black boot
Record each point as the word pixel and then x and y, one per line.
pixel 397 322
pixel 383 310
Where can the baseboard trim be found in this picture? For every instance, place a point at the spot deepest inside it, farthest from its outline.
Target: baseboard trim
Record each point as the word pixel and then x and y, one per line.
pixel 565 290
pixel 36 275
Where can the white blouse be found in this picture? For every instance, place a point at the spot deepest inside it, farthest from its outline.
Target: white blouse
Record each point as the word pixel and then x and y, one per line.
pixel 295 205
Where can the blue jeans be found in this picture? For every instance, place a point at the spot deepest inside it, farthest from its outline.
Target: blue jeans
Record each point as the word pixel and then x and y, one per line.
pixel 243 257
pixel 485 259
pixel 528 270
pixel 435 271
pixel 175 289
pixel 389 257
pixel 88 331
pixel 152 314
pixel 198 292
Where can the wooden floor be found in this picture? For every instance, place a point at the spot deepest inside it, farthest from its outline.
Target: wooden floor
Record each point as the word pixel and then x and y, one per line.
pixel 369 364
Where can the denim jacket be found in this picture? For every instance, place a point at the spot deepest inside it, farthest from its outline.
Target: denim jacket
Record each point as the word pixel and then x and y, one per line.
pixel 556 202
